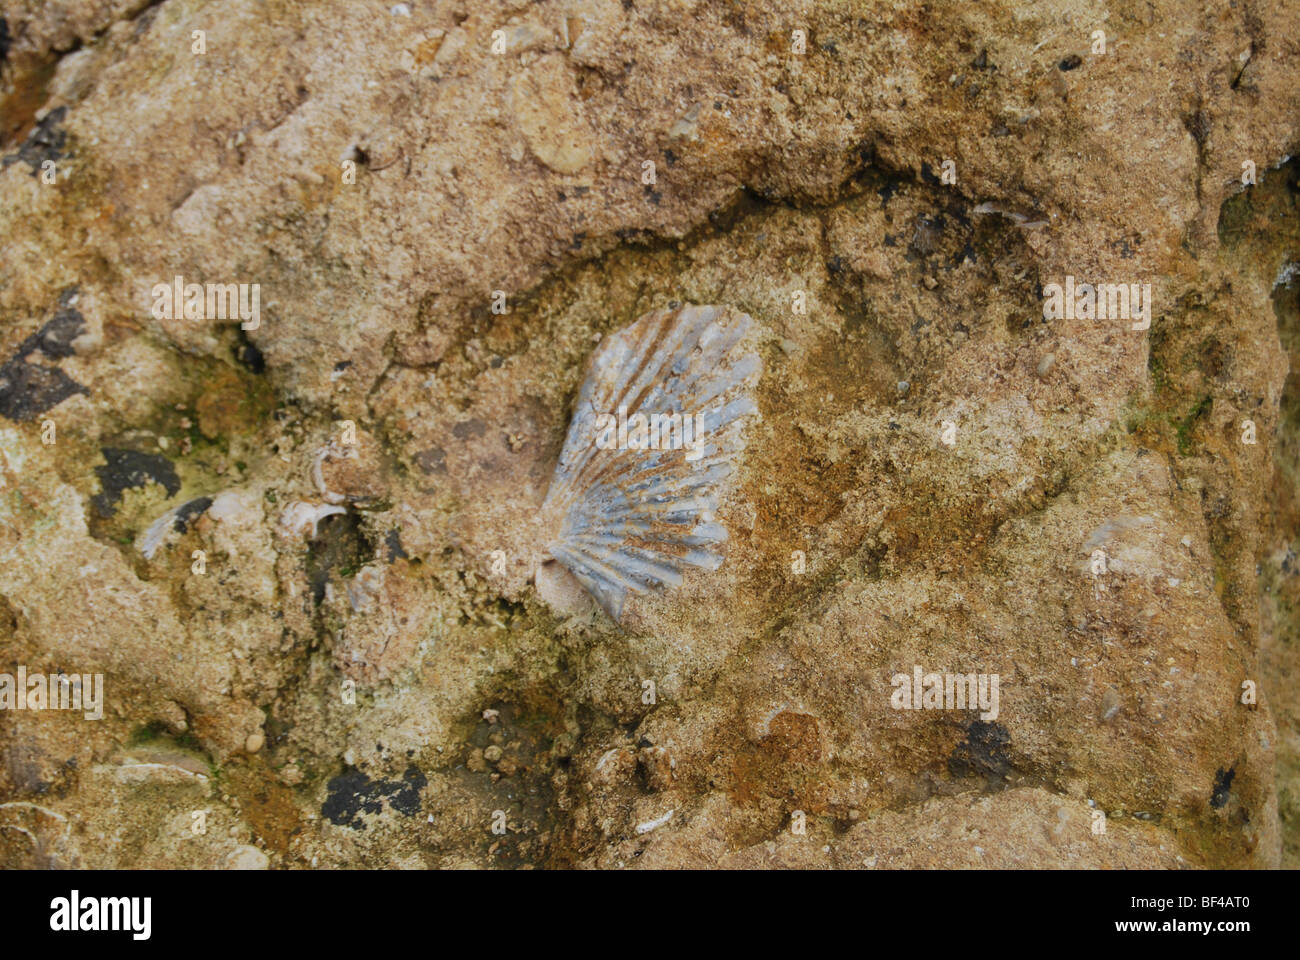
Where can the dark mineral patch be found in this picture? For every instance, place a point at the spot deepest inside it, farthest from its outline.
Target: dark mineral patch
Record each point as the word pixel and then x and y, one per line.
pixel 55 338
pixel 45 142
pixel 352 793
pixel 393 542
pixel 984 751
pixel 124 469
pixel 189 511
pixel 1222 785
pixel 29 389
pixel 433 460
pixel 468 429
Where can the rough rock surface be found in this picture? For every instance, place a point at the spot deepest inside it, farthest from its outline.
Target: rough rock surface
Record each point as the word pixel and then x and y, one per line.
pixel 446 205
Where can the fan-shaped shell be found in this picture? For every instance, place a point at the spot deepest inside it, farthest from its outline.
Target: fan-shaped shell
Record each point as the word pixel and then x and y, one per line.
pixel 633 502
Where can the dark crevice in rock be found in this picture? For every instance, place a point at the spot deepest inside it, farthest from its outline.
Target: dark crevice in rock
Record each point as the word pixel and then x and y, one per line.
pixel 339 549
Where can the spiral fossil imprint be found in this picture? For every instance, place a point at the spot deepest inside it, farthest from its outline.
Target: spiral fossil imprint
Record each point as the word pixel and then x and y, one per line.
pixel 657 432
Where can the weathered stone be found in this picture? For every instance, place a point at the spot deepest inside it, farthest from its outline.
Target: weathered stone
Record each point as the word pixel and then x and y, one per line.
pixel 443 233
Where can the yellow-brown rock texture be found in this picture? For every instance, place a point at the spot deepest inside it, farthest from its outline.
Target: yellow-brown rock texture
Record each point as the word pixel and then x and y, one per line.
pixel 293 530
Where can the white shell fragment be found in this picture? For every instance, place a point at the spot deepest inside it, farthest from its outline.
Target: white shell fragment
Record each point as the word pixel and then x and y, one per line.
pixel 654 824
pixel 656 433
pixel 174 521
pixel 300 516
pixel 332 451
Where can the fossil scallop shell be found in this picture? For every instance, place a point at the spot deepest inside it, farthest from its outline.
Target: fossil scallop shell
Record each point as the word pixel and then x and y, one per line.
pixel 634 519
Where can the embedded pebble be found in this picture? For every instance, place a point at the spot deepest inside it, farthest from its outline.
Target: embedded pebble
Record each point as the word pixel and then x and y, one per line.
pixel 542 99
pixel 1110 704
pixel 247 858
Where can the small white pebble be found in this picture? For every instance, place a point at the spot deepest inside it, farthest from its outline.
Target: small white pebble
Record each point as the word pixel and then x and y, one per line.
pixel 247 858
